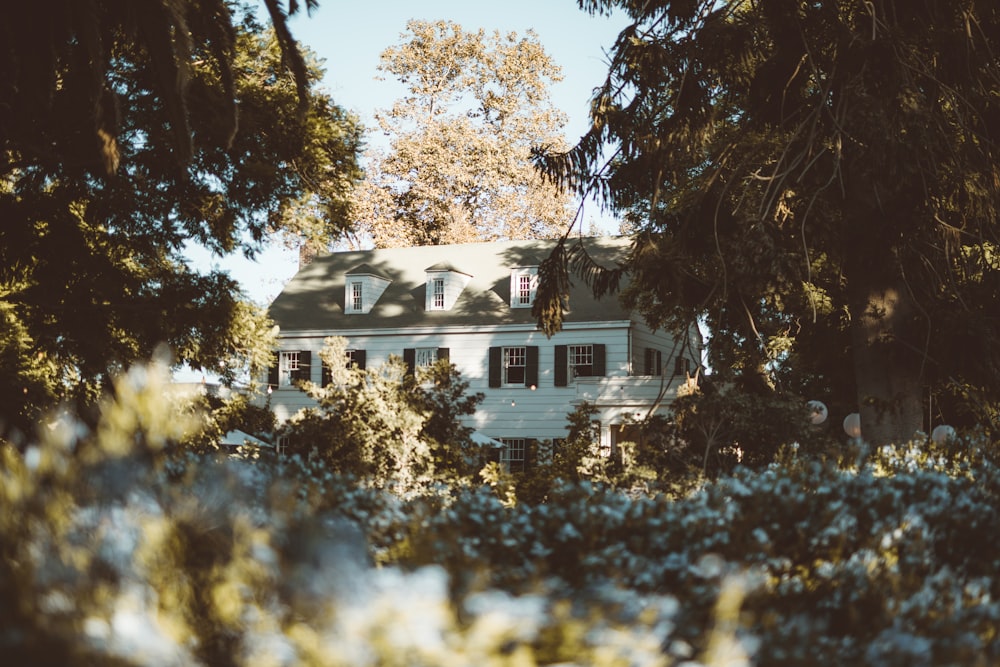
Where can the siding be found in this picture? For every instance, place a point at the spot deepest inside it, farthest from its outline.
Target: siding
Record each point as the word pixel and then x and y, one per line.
pixel 643 337
pixel 538 413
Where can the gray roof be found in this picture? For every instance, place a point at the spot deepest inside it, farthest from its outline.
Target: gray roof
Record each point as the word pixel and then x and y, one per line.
pixel 314 298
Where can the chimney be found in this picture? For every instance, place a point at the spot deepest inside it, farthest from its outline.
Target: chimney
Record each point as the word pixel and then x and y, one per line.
pixel 307 253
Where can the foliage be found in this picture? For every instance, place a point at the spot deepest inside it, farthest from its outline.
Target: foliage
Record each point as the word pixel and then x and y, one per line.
pixel 123 152
pixel 715 428
pixel 113 551
pixel 816 182
pixel 458 168
pixel 385 425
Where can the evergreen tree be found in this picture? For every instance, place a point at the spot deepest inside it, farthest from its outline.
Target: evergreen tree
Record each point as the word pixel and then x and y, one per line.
pixel 818 181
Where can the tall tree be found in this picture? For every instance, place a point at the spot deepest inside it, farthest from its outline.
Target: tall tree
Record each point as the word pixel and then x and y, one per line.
pixel 459 166
pixel 813 178
pixel 121 144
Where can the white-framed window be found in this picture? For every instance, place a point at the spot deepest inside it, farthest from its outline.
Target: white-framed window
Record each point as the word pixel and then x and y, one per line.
pixel 581 360
pixel 355 296
pixel 353 357
pixel 281 446
pixel 514 365
pixel 424 356
pixel 437 294
pixel 523 285
pixel 512 456
pixel 288 368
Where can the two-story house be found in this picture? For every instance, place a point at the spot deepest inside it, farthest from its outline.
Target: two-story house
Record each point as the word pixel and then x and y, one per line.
pixel 471 303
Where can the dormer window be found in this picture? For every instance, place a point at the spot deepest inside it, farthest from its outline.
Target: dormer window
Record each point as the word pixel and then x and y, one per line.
pixel 444 285
pixel 437 294
pixel 523 286
pixel 362 289
pixel 356 289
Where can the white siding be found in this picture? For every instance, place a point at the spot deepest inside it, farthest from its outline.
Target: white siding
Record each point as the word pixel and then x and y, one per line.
pixel 538 413
pixel 643 337
pixel 520 412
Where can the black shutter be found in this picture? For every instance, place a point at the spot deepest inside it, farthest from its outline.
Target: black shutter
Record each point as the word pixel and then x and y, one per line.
pixel 326 377
pixel 272 373
pixel 681 366
pixel 561 366
pixel 496 370
pixel 599 360
pixel 410 357
pixel 444 353
pixel 531 366
pixel 305 366
pixel 359 359
pixel 654 362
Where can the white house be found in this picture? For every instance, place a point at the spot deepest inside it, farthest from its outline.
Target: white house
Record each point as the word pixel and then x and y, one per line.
pixel 472 304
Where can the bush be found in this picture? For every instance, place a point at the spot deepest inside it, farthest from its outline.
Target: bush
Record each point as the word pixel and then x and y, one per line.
pixel 115 548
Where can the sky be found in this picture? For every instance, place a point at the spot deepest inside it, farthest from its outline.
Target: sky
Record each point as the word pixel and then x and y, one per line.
pixel 349 35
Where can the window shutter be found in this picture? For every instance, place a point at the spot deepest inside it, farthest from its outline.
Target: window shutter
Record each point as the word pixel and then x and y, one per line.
pixel 272 373
pixel 326 377
pixel 444 353
pixel 410 357
pixel 305 366
pixel 561 367
pixel 531 366
pixel 681 366
pixel 654 362
pixel 495 370
pixel 359 359
pixel 599 360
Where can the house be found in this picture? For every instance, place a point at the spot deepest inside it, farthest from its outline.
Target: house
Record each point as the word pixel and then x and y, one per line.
pixel 471 304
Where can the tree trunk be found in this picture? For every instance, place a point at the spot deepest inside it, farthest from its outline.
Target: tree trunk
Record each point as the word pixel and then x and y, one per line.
pixel 887 364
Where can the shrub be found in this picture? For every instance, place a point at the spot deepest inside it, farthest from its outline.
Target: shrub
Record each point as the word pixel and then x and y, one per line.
pixel 117 548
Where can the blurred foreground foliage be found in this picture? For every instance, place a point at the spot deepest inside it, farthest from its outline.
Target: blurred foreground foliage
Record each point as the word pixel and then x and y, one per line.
pixel 120 545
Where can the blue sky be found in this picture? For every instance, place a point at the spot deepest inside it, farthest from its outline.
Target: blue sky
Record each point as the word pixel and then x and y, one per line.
pixel 350 35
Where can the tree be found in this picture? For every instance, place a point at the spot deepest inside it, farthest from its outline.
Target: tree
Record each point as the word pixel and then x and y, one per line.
pixel 458 168
pixel 121 146
pixel 386 425
pixel 814 179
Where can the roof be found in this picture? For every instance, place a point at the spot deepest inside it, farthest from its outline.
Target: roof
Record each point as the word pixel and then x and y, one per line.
pixel 314 298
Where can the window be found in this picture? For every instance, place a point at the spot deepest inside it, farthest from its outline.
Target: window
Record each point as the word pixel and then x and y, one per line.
pixel 281 447
pixel 653 362
pixel 288 369
pixel 356 302
pixel 352 359
pixel 524 290
pixel 355 358
pixel 513 365
pixel 523 285
pixel 437 294
pixel 424 356
pixel 682 366
pixel 512 456
pixel 573 361
pixel 581 360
